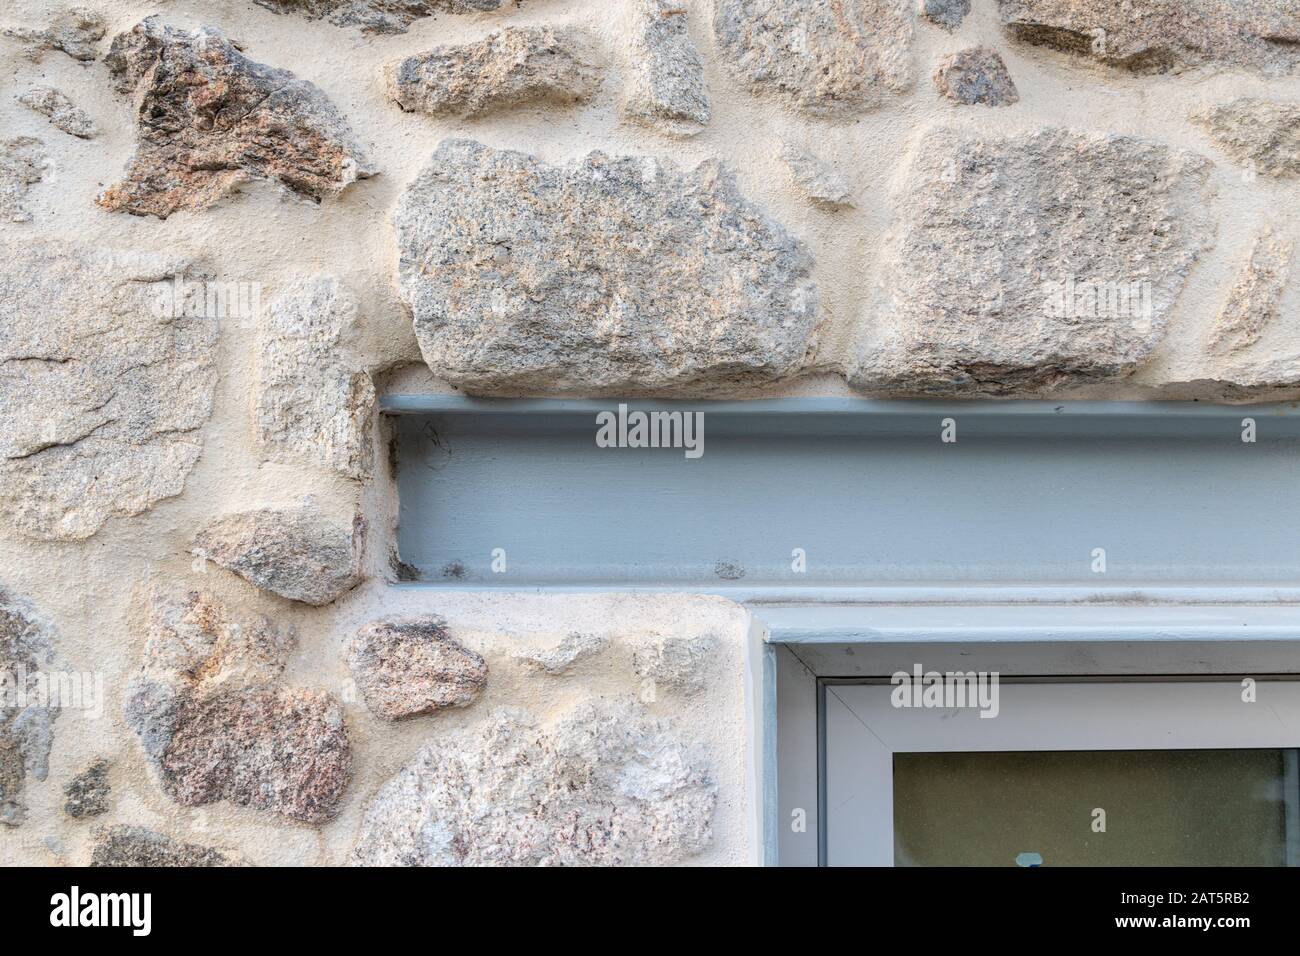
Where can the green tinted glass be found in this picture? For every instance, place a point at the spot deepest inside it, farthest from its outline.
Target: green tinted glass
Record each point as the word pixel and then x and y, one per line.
pixel 1097 808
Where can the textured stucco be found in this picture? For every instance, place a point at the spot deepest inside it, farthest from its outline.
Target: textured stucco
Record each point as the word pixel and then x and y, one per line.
pixel 94 582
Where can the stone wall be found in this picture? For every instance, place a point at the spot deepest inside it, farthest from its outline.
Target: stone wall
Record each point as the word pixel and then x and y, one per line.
pixel 229 226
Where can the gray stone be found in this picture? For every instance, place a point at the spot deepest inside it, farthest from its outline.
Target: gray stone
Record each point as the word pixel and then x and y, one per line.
pixel 104 383
pixel 1261 134
pixel 976 75
pixel 193 647
pixel 59 110
pixel 1255 299
pixel 378 16
pixel 606 785
pixel 815 179
pixel 1255 375
pixel 603 275
pixel 517 66
pixel 313 403
pixel 682 663
pixel 75 31
pixel 407 667
pixel 664 84
pixel 22 164
pixel 26 715
pixel 1155 36
pixel 559 658
pixel 211 119
pixel 293 552
pixel 945 13
pixel 1032 260
pixel 88 792
pixel 217 723
pixel 827 59
pixel 138 846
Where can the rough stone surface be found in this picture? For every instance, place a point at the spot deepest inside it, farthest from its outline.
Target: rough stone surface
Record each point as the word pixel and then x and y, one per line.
pixel 1256 297
pixel 273 749
pixel 124 431
pixel 104 384
pixel 406 667
pixel 313 404
pixel 217 723
pixel 75 31
pixel 664 85
pixel 827 59
pixel 1002 238
pixel 88 792
pixel 606 275
pixel 138 846
pixel 517 66
pixel 26 722
pixel 606 785
pixel 22 163
pixel 1153 36
pixel 976 75
pixel 559 658
pixel 1256 376
pixel 682 663
pixel 211 119
pixel 377 16
pixel 293 552
pixel 817 180
pixel 60 110
pixel 945 13
pixel 1262 134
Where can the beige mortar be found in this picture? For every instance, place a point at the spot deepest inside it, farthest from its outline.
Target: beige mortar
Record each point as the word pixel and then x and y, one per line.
pixel 94 591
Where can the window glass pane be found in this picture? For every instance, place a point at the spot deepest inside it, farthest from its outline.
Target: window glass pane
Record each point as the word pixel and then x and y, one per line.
pixel 1161 807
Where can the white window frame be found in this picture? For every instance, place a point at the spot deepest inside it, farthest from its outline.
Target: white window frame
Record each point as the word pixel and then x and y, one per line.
pixel 797 649
pixel 862 731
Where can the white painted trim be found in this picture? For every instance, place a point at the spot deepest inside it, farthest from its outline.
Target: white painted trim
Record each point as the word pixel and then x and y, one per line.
pixel 864 730
pixel 1075 623
pixel 760 726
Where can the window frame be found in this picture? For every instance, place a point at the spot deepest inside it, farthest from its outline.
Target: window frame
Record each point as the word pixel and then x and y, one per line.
pixel 1038 714
pixel 797 647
